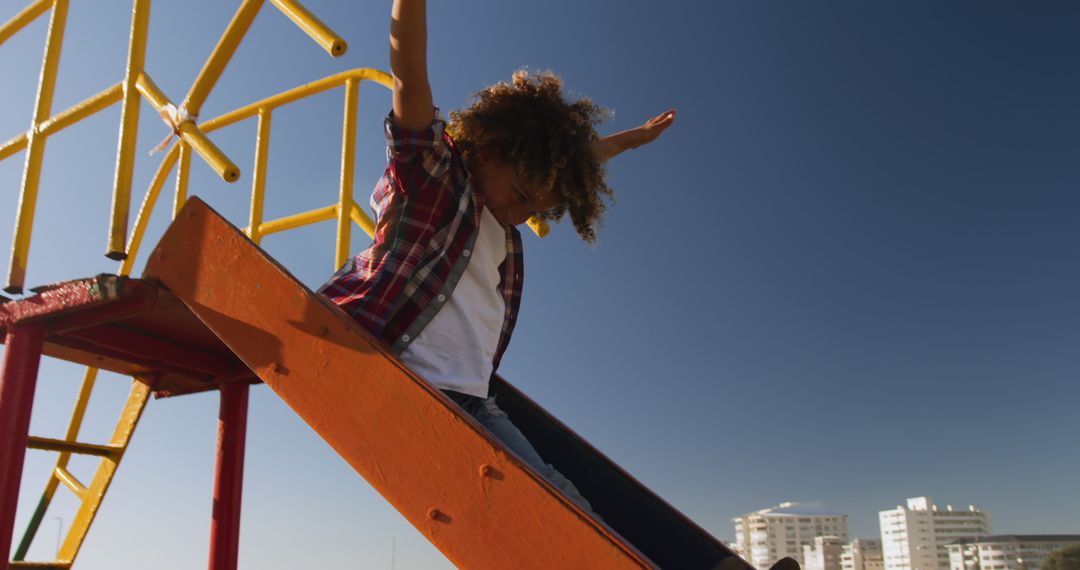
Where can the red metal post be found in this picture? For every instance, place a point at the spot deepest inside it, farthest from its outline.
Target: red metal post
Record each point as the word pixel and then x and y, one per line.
pixel 18 377
pixel 229 476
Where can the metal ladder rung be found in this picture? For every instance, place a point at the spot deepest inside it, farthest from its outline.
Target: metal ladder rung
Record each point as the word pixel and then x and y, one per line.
pixel 107 451
pixel 70 481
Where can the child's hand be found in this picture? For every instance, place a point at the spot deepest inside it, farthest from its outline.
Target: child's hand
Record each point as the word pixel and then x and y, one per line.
pixel 652 128
pixel 612 145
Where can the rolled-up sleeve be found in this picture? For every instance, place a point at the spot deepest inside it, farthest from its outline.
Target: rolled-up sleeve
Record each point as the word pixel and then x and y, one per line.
pixel 416 156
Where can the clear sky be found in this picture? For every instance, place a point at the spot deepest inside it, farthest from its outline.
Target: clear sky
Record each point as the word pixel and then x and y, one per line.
pixel 848 273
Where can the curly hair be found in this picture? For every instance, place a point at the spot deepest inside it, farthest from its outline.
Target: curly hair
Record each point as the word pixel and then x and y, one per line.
pixel 529 125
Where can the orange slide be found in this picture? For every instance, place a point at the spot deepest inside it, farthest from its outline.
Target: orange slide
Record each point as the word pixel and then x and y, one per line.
pixel 474 500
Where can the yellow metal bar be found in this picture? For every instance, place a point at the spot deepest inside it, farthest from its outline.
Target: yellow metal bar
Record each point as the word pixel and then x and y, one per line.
pixel 20 20
pixel 538 226
pixel 361 219
pixel 70 481
pixel 24 221
pixel 182 174
pixel 13 146
pixel 348 161
pixel 307 90
pixel 258 179
pixel 209 151
pixel 190 133
pixel 298 220
pixel 221 55
pixel 65 119
pixel 129 418
pixel 48 444
pixel 313 27
pixel 40 565
pixel 147 208
pixel 72 433
pixel 129 127
pixel 154 95
pixel 82 110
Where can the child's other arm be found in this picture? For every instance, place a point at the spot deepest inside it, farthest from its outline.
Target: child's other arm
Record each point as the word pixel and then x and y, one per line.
pixel 413 106
pixel 612 145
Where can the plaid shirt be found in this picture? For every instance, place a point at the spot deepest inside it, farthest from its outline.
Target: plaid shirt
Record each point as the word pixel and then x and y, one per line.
pixel 428 217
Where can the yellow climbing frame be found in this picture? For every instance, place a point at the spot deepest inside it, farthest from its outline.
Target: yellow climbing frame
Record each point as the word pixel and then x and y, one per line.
pixel 192 136
pixel 136 84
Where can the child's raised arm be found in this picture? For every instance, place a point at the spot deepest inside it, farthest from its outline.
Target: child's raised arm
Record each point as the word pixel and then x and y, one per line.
pixel 413 106
pixel 612 145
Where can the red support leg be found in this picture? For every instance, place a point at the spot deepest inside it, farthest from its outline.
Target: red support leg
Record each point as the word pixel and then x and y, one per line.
pixel 229 476
pixel 18 377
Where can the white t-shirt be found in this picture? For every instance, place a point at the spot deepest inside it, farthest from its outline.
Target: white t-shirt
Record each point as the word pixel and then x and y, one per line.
pixel 455 350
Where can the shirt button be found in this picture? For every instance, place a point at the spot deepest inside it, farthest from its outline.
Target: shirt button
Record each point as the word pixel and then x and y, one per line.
pixel 466 253
pixel 440 298
pixel 405 337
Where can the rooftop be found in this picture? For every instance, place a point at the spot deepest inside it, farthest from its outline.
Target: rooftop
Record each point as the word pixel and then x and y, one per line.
pixel 814 509
pixel 1019 538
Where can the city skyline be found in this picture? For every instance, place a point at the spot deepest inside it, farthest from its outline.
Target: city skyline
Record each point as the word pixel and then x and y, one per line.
pixel 918 535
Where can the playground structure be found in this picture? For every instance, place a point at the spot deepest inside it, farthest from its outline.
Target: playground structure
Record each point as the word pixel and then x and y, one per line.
pixel 187 329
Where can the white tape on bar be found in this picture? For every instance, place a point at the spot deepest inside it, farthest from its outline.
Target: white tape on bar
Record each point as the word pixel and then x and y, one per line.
pixel 174 117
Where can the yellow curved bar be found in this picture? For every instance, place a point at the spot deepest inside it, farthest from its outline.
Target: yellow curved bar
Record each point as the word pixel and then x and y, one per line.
pixel 306 90
pixel 181 192
pixel 20 20
pixel 313 27
pixel 147 208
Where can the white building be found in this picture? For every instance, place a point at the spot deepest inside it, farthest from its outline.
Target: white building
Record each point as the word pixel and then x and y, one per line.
pixel 915 538
pixel 1007 551
pixel 765 536
pixel 823 554
pixel 862 554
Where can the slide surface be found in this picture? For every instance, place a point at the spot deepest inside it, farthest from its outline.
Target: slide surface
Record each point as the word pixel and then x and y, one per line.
pixel 473 499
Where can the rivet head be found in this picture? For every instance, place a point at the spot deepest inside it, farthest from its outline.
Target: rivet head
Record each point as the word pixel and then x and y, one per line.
pixel 433 513
pixel 486 470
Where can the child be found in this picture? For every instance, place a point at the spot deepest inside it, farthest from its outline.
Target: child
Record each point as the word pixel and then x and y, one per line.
pixel 442 281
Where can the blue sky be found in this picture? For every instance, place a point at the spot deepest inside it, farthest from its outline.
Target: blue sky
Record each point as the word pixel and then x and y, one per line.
pixel 848 272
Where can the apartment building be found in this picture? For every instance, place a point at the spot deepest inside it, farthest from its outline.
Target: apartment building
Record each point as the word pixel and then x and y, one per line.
pixel 915 537
pixel 1007 551
pixel 765 536
pixel 823 554
pixel 862 554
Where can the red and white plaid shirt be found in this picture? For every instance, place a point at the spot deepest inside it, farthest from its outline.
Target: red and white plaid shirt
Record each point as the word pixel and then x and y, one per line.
pixel 427 220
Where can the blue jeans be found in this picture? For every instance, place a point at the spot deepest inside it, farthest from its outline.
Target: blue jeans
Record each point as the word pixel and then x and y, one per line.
pixel 485 411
